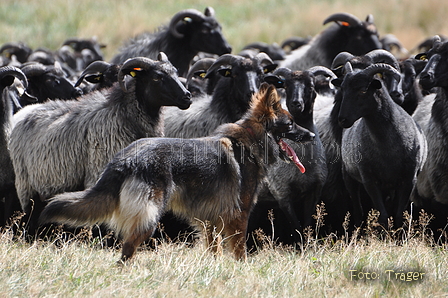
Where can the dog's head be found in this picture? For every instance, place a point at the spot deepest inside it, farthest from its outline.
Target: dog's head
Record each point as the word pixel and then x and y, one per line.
pixel 279 123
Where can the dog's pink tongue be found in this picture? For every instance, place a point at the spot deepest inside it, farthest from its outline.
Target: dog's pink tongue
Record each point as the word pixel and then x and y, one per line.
pixel 292 155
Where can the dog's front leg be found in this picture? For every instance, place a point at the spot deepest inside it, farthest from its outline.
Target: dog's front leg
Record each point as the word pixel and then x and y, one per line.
pixel 213 237
pixel 235 230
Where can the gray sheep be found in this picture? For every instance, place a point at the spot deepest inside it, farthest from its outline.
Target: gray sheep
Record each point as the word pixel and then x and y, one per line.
pixel 432 181
pixel 64 145
pixel 383 149
pixel 188 33
pixel 347 34
pixel 298 193
pixel 8 195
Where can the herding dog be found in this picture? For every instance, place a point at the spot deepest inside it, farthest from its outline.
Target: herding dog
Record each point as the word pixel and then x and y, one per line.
pixel 211 180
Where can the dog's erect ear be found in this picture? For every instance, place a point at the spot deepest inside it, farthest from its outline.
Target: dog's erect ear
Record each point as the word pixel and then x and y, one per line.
pixel 273 98
pixel 266 103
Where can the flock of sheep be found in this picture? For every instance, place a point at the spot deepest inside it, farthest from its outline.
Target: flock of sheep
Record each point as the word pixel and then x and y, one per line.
pixel 380 122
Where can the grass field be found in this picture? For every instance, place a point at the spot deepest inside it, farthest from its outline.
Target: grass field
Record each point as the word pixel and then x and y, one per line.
pixel 329 267
pixel 48 24
pixel 374 265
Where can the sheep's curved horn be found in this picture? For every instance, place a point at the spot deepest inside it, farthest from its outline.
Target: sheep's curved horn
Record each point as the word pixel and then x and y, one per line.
pixel 11 45
pixel 70 41
pixel 322 70
pixel 34 69
pixel 263 58
pixel 209 12
pixel 381 68
pixel 350 19
pixel 190 13
pixel 225 59
pixel 390 40
pixel 283 71
pixel 383 56
pixel 14 71
pixel 341 59
pixel 139 62
pixel 98 66
pixel 202 64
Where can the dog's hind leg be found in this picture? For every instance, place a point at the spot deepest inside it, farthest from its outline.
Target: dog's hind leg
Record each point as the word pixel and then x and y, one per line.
pixel 133 241
pixel 138 213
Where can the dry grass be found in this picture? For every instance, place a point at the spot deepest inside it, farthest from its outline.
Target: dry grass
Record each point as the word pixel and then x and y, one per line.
pixel 404 263
pixel 48 25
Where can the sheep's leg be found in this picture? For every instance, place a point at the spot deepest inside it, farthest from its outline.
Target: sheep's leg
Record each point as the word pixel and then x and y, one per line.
pixel 285 201
pixel 354 190
pixel 377 201
pixel 12 204
pixel 403 194
pixel 439 186
pixel 287 206
pixel 309 207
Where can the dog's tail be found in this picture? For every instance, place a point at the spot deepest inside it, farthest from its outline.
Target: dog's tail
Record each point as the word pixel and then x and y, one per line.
pixel 94 205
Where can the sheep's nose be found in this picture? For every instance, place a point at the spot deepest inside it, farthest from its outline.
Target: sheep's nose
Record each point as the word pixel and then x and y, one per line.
pixel 297 106
pixel 426 76
pixel 78 92
pixel 187 95
pixel 397 96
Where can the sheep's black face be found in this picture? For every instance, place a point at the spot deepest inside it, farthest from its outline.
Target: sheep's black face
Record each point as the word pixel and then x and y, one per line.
pixel 52 86
pixel 300 95
pixel 206 36
pixel 357 98
pixel 162 86
pixel 362 39
pixel 435 73
pixel 242 80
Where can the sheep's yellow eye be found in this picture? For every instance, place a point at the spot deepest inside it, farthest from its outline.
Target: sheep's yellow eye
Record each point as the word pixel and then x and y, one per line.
pixel 133 74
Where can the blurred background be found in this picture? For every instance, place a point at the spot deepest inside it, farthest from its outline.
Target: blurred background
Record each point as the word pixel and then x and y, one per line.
pixel 48 23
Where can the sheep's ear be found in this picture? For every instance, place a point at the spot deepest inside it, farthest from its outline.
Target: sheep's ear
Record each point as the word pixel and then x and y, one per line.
pixel 336 82
pixel 225 72
pixel 94 79
pixel 270 67
pixel 7 81
pixel 162 57
pixel 275 80
pixel 375 84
